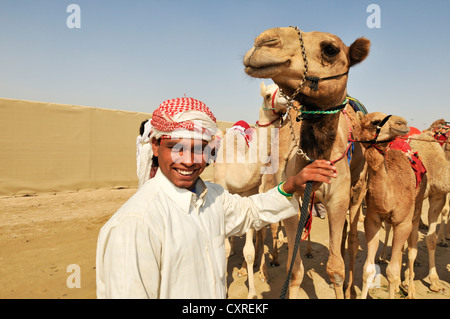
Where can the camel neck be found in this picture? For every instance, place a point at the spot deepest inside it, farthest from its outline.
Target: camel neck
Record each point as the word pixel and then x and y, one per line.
pixel 318 136
pixel 378 186
pixel 313 113
pixel 375 160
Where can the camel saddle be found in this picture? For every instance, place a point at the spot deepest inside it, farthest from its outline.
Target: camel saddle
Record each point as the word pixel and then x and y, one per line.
pixel 413 157
pixel 441 133
pixel 244 128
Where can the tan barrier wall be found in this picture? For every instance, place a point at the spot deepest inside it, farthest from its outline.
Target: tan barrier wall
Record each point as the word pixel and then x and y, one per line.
pixel 48 147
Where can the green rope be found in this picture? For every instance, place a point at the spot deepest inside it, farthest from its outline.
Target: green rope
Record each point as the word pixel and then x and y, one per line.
pixel 320 112
pixel 324 112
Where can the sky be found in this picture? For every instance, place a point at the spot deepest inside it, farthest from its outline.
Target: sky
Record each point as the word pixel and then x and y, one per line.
pixel 132 55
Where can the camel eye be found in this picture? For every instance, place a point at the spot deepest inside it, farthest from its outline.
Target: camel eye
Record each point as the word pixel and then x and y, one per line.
pixel 376 122
pixel 267 97
pixel 330 50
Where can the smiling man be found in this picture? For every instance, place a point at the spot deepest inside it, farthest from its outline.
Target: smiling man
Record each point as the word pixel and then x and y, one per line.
pixel 180 160
pixel 168 240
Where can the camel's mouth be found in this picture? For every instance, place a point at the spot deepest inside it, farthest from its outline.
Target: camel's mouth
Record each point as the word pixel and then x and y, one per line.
pixel 265 71
pixel 400 131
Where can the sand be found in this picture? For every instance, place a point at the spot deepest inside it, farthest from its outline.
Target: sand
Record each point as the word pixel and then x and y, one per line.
pixel 42 237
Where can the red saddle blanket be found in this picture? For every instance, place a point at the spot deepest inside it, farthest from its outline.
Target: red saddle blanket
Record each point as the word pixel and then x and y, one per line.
pixel 441 133
pixel 413 157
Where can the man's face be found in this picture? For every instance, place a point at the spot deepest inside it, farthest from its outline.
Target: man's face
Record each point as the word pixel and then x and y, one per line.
pixel 181 160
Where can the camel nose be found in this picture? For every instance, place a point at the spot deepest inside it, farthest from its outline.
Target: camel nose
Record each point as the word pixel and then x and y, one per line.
pixel 269 38
pixel 401 122
pixel 267 42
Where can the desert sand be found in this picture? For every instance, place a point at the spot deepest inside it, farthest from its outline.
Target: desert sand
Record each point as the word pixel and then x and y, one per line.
pixel 42 236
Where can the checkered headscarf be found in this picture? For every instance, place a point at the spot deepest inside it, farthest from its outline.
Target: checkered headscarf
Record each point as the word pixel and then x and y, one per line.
pixel 183 118
pixel 177 118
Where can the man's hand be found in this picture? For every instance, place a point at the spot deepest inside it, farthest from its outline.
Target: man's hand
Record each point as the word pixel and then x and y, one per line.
pixel 319 171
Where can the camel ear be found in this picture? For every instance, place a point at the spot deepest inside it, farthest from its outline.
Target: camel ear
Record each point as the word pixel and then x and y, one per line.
pixel 263 88
pixel 359 50
pixel 359 116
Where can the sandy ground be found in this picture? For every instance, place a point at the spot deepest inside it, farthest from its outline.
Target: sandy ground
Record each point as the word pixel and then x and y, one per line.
pixel 41 236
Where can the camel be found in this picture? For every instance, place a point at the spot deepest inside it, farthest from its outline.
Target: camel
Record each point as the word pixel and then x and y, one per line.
pixel 392 187
pixel 438 167
pixel 438 176
pixel 311 69
pixel 441 132
pixel 251 177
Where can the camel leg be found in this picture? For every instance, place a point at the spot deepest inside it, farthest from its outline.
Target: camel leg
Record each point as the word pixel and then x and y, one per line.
pixel 249 256
pixel 443 232
pixel 353 245
pixel 357 202
pixel 437 203
pixel 308 253
pixel 401 233
pixel 227 249
pixel 383 256
pixel 372 225
pixel 231 246
pixel 335 264
pixel 274 230
pixel 260 238
pixel 447 230
pixel 446 212
pixel 290 225
pixel 412 255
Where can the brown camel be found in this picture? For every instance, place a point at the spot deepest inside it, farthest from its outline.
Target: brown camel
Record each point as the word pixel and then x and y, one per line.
pixel 441 132
pixel 240 173
pixel 391 189
pixel 311 68
pixel 438 176
pixel 433 156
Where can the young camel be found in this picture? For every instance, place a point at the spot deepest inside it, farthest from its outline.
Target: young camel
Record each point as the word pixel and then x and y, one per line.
pixel 239 173
pixel 391 189
pixel 312 70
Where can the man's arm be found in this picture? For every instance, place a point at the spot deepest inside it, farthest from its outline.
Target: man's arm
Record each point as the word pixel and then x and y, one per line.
pixel 128 259
pixel 243 213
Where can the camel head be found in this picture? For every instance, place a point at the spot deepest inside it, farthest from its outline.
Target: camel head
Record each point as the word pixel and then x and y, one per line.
pixel 277 54
pixel 380 127
pixel 272 99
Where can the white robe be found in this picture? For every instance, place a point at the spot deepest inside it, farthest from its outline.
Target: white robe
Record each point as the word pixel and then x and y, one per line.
pixel 168 242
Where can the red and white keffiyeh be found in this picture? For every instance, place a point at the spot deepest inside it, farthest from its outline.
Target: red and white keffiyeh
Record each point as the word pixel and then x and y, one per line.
pixel 183 117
